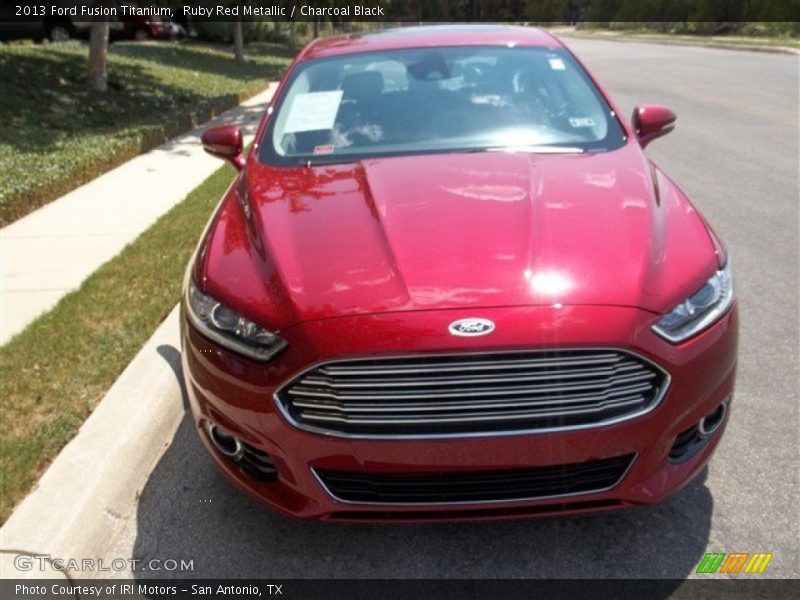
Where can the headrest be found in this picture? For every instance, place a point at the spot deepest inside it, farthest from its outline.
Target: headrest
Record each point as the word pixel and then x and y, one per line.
pixel 364 84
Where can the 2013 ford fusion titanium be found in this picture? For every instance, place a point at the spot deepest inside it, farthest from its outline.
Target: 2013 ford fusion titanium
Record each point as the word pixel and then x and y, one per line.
pixel 447 283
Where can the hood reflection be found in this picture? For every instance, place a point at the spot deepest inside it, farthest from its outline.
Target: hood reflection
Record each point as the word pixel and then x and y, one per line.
pixel 549 283
pixel 456 230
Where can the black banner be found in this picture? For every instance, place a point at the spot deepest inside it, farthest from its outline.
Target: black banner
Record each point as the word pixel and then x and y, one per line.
pixel 401 589
pixel 411 11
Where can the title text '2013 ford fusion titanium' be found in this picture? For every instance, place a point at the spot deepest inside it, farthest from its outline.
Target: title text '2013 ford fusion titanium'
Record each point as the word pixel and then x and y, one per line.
pixel 448 284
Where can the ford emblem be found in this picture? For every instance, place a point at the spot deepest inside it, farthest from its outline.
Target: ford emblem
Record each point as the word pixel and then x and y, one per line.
pixel 471 327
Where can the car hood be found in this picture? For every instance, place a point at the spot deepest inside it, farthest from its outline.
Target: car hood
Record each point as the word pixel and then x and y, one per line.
pixel 456 231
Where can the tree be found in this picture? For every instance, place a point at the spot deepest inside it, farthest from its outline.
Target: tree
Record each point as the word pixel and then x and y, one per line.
pixel 716 16
pixel 97 76
pixel 602 11
pixel 238 41
pixel 545 11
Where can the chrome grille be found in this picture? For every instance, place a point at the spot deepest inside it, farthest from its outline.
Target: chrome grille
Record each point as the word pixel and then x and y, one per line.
pixel 472 394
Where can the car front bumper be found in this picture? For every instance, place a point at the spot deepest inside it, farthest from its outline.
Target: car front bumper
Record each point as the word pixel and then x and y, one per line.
pixel 237 394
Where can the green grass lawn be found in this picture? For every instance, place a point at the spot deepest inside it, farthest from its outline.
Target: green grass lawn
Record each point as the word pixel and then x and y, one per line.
pixel 649 35
pixel 54 373
pixel 55 135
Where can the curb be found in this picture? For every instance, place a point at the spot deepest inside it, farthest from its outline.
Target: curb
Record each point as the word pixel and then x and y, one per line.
pixel 681 42
pixel 91 489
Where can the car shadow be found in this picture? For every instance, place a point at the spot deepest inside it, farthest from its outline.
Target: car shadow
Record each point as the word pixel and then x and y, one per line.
pixel 189 511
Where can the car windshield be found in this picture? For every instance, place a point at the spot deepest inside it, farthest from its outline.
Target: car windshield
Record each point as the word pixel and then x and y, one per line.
pixel 448 99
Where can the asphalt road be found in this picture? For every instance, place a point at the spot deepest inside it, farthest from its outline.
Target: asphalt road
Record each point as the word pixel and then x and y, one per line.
pixel 735 152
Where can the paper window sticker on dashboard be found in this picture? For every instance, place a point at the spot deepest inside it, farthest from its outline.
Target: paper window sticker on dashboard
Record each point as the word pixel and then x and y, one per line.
pixel 313 111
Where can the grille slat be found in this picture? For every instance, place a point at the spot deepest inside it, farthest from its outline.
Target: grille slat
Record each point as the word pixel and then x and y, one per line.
pixel 423 482
pixel 468 417
pixel 305 391
pixel 482 486
pixel 343 383
pixel 472 365
pixel 257 463
pixel 472 394
pixel 523 402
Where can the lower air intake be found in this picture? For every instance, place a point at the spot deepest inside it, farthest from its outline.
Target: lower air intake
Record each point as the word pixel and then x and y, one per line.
pixel 475 486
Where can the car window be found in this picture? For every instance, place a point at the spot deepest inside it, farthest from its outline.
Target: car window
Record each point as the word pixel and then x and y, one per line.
pixel 438 99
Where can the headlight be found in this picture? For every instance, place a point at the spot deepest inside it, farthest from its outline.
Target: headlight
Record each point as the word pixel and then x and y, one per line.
pixel 230 329
pixel 700 310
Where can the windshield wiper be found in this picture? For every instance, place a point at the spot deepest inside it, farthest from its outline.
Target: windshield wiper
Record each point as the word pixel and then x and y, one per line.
pixel 538 149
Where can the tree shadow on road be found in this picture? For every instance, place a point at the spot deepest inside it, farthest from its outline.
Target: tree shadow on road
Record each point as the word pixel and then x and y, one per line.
pixel 188 510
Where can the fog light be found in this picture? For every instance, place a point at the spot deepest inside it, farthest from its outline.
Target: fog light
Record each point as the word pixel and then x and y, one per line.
pixel 224 441
pixel 712 421
pixel 689 442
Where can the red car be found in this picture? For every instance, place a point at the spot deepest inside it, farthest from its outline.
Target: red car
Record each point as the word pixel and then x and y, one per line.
pixel 143 27
pixel 447 283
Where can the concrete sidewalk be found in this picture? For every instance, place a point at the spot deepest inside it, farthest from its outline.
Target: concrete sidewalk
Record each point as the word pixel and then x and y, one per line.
pixel 49 252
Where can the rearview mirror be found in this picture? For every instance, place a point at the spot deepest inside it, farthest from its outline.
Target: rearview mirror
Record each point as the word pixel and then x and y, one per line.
pixel 651 121
pixel 226 143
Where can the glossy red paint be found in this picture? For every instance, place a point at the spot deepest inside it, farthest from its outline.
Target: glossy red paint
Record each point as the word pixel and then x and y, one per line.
pixel 142 27
pixel 225 142
pixel 377 257
pixel 651 121
pixel 429 36
pixel 493 230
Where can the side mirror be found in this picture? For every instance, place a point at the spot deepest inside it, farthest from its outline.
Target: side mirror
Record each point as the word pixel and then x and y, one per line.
pixel 226 143
pixel 651 121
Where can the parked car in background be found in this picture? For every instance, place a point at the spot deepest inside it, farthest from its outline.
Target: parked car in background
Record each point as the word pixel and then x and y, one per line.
pixel 63 28
pixel 448 283
pixel 186 23
pixel 32 25
pixel 142 28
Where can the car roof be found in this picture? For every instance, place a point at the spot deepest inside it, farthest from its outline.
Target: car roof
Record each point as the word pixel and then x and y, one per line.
pixel 429 36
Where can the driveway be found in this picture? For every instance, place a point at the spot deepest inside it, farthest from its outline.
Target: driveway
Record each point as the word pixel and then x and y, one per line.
pixel 735 152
